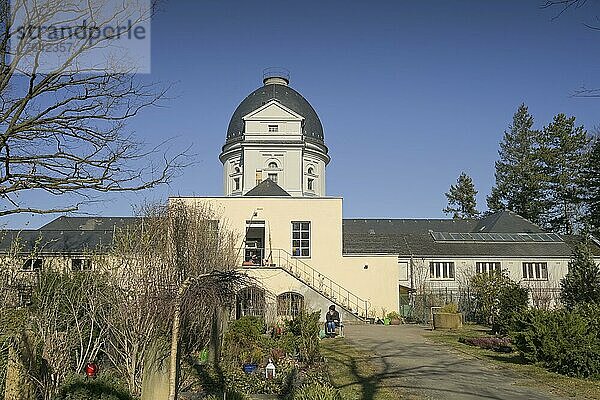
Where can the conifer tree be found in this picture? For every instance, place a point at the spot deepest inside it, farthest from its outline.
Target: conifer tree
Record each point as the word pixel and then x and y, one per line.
pixel 563 152
pixel 591 188
pixel 519 177
pixel 462 203
pixel 581 285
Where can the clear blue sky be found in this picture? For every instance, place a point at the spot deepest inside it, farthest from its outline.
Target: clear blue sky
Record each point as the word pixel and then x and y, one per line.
pixel 409 93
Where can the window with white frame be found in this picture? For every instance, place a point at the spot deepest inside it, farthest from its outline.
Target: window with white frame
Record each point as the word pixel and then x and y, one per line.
pixel 301 238
pixel 32 264
pixel 273 128
pixel 272 165
pixel 310 185
pixel 272 176
pixel 487 267
pixel 311 171
pixel 81 264
pixel 535 271
pixel 236 183
pixel 441 270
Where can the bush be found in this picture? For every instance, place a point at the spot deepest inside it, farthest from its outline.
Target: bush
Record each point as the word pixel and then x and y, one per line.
pixel 316 391
pixel 105 387
pixel 498 300
pixel 567 342
pixel 451 308
pixel 306 327
pixel 393 315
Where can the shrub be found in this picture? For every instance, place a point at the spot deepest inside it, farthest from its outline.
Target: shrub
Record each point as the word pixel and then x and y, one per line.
pixel 582 284
pixel 451 308
pixel 393 315
pixel 306 327
pixel 105 387
pixel 567 342
pixel 498 300
pixel 316 391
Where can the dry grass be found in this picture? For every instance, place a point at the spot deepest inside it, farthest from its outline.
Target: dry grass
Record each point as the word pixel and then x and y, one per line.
pixel 534 375
pixel 353 372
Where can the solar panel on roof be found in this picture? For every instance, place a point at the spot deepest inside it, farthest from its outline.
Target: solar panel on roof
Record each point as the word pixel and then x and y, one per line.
pixel 496 237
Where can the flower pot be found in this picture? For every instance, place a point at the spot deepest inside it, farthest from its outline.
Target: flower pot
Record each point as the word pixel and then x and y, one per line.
pixel 395 321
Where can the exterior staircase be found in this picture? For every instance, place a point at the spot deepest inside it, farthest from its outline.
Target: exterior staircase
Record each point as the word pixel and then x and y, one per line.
pixel 320 283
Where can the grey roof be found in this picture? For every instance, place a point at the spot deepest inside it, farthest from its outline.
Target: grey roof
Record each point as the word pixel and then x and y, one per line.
pixel 55 242
pixel 66 235
pixel 506 221
pixel 88 223
pixel 288 97
pixel 409 237
pixel 267 188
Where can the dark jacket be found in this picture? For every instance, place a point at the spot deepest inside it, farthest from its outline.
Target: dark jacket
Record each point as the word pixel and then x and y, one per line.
pixel 335 316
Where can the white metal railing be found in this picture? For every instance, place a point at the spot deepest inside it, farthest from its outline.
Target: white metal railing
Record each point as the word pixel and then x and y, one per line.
pixel 312 278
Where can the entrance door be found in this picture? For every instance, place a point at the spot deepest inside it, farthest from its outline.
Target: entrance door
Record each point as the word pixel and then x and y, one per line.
pixel 254 250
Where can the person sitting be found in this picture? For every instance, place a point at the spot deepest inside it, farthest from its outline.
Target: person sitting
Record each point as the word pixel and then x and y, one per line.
pixel 333 319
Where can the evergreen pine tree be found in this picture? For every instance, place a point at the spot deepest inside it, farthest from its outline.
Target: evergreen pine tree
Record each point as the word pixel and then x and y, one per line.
pixel 581 285
pixel 563 152
pixel 519 177
pixel 590 183
pixel 461 198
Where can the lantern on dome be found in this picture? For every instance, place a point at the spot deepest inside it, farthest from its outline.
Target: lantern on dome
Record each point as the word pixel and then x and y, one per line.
pixel 91 369
pixel 270 370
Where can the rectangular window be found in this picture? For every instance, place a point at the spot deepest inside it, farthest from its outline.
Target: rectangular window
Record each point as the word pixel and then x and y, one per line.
pixel 535 271
pixel 32 264
pixel 258 177
pixel 236 183
pixel 81 264
pixel 310 185
pixel 441 270
pixel 301 238
pixel 273 177
pixel 273 128
pixel 489 268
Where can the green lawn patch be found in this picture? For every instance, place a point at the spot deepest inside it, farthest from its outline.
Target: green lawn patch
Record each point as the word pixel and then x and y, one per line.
pixel 353 372
pixel 533 375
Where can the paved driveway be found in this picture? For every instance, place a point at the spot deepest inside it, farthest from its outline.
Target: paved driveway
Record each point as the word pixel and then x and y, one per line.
pixel 424 370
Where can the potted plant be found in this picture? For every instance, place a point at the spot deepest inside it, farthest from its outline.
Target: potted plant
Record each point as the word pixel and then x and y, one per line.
pixel 447 317
pixel 394 317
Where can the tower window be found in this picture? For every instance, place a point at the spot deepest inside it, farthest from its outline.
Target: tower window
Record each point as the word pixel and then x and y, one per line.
pixel 236 170
pixel 273 177
pixel 273 128
pixel 236 183
pixel 310 185
pixel 311 170
pixel 258 177
pixel 273 165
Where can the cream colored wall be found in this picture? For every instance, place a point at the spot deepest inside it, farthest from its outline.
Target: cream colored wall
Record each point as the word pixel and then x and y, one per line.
pixel 378 284
pixel 466 267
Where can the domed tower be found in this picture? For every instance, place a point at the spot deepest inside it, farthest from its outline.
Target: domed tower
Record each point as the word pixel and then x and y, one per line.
pixel 275 134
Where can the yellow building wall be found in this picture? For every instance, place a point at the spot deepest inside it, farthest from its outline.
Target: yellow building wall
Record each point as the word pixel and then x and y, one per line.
pixel 372 277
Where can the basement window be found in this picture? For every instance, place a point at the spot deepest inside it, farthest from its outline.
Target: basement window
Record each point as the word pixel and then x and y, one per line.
pixel 290 304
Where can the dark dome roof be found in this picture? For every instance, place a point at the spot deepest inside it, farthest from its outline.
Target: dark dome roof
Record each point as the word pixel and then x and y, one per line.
pixel 287 97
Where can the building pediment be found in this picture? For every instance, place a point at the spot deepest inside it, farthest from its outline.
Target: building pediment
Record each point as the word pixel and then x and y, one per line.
pixel 273 111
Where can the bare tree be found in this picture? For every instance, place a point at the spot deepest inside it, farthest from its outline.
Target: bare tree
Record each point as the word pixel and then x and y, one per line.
pixel 175 270
pixel 63 126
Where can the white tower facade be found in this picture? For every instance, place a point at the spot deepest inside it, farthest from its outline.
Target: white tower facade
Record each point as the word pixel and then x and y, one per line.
pixel 275 134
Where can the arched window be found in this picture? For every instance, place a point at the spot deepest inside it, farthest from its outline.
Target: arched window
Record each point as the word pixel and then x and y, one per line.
pixel 273 165
pixel 250 301
pixel 311 170
pixel 236 170
pixel 290 304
